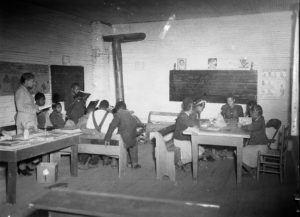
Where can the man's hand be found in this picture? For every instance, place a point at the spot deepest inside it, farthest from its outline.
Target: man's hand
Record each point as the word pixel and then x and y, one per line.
pixel 106 143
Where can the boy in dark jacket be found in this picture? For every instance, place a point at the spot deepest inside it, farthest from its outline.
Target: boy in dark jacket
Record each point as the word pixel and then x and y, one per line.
pixel 127 128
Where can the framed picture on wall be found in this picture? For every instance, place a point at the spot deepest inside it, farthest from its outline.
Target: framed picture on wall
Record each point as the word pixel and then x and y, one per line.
pixel 212 63
pixel 181 64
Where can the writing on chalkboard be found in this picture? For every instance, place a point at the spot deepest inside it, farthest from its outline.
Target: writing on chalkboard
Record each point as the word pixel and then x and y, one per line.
pixel 11 72
pixel 213 85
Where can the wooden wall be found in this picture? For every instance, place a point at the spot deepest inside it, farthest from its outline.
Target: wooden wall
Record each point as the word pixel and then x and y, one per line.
pixel 32 34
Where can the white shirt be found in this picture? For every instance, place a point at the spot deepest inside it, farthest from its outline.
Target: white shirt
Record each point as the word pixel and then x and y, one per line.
pixel 99 114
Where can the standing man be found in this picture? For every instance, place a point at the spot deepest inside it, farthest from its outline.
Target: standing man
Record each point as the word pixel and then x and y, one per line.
pixel 76 108
pixel 26 118
pixel 26 108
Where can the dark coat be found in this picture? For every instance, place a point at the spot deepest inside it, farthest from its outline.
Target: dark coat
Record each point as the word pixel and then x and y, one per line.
pixel 257 132
pixel 76 109
pixel 57 120
pixel 183 121
pixel 127 127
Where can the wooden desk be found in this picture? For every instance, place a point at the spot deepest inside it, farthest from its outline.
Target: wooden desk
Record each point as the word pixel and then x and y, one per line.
pixel 35 147
pixel 227 136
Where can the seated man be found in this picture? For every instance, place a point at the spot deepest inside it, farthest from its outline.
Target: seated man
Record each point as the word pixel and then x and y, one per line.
pixel 98 120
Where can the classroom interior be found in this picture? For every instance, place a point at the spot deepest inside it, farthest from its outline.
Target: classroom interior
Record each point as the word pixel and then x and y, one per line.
pixel 252 36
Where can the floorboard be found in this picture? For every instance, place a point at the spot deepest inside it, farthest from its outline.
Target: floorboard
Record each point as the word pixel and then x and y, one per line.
pixel 216 185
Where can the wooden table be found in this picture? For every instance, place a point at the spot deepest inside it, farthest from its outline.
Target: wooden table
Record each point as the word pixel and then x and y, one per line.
pixel 36 146
pixel 227 136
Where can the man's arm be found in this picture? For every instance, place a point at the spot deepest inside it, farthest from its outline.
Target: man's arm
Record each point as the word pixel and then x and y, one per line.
pixel 113 125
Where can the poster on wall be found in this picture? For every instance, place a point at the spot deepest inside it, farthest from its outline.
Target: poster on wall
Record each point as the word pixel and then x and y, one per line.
pixel 212 63
pixel 273 84
pixel 181 64
pixel 10 74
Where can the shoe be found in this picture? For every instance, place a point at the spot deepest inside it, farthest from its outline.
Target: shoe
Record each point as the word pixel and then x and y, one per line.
pixel 93 165
pixel 29 169
pixel 24 172
pixel 210 158
pixel 136 166
pixel 83 166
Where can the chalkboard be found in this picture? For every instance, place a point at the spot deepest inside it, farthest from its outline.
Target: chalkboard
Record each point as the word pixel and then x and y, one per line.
pixel 62 77
pixel 213 85
pixel 11 72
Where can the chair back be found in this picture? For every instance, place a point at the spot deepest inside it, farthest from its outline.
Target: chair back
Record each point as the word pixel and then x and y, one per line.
pixel 275 124
pixel 284 140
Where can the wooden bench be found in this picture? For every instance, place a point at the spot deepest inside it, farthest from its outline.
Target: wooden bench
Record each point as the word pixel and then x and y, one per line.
pixel 63 202
pixel 159 120
pixel 165 153
pixel 94 144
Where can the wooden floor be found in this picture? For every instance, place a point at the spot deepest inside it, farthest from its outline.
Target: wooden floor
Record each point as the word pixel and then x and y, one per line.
pixel 216 185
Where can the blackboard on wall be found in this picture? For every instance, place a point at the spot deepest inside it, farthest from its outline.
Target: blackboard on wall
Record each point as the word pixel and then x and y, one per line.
pixel 11 72
pixel 62 77
pixel 213 85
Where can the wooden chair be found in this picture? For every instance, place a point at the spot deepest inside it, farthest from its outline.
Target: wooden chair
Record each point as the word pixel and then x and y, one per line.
pixel 165 152
pixel 274 160
pixel 158 121
pixel 275 125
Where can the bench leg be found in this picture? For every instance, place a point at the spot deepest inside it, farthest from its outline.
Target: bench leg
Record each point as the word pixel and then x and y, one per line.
pixel 122 160
pixel 11 182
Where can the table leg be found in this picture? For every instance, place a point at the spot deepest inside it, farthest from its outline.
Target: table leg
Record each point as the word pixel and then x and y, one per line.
pixel 11 182
pixel 46 158
pixel 74 160
pixel 195 154
pixel 239 161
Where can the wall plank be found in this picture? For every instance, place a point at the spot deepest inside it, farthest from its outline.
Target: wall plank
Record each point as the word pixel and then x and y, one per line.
pixel 32 34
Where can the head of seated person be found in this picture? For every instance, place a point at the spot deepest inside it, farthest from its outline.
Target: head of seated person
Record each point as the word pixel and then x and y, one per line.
pixel 40 99
pixel 104 105
pixel 249 108
pixel 231 111
pixel 199 106
pixel 187 105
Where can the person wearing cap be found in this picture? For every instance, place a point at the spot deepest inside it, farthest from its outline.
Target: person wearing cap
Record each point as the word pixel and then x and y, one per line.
pixel 198 107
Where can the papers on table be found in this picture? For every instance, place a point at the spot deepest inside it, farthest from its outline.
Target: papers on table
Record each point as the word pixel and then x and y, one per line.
pixel 245 120
pixel 67 130
pixel 191 130
pixel 213 128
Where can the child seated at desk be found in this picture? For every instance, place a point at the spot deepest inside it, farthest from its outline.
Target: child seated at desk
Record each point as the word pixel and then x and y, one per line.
pixel 43 120
pixel 56 117
pixel 182 141
pixel 258 138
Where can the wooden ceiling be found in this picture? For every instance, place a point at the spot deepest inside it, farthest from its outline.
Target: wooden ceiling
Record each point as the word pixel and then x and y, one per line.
pixel 135 11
